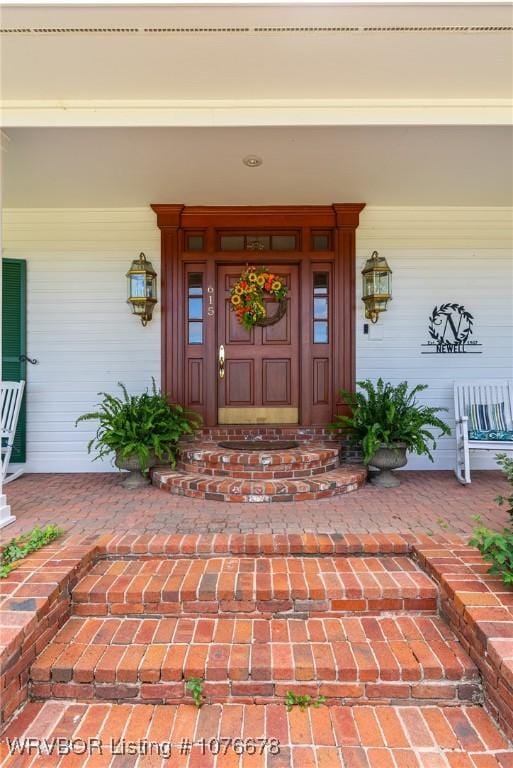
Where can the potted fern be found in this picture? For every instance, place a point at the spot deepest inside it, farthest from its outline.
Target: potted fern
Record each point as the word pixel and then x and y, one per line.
pixel 140 430
pixel 387 421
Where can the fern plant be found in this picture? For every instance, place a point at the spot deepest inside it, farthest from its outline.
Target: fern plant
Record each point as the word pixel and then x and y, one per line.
pixel 139 425
pixel 383 415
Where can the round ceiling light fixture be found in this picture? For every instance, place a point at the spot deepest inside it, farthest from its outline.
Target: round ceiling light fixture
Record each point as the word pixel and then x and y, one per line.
pixel 252 161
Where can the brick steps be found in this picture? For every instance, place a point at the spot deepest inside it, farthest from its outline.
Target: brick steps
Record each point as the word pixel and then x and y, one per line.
pixel 356 660
pixel 362 631
pixel 261 586
pixel 344 479
pixel 207 458
pixel 260 736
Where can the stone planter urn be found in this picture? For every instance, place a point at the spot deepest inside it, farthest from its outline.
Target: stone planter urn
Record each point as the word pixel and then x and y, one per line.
pixel 387 459
pixel 134 477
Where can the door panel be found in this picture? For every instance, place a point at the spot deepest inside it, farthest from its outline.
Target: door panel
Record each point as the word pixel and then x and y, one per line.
pixel 321 391
pixel 279 333
pixel 276 382
pixel 239 376
pixel 261 382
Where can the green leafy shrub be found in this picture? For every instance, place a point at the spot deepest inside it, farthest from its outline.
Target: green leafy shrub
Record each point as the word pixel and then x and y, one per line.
pixel 497 546
pixel 21 546
pixel 139 425
pixel 384 414
pixel 506 462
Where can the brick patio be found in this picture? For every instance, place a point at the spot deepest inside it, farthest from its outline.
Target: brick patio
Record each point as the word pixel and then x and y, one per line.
pixel 427 502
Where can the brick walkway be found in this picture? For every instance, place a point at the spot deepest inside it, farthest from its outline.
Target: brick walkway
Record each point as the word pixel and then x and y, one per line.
pixel 432 502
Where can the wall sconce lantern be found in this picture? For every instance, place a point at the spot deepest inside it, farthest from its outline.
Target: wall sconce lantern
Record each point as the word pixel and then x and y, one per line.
pixel 142 288
pixel 377 286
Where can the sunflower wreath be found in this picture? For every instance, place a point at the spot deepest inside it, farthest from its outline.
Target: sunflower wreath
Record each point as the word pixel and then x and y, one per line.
pixel 248 297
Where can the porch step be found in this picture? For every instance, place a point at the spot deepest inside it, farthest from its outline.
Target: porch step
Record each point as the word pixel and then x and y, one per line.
pixel 401 659
pixel 262 736
pixel 250 586
pixel 208 458
pixel 265 432
pixel 201 486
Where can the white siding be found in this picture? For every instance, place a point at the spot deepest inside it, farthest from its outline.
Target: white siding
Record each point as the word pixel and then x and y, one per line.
pixel 80 327
pixel 81 330
pixel 438 255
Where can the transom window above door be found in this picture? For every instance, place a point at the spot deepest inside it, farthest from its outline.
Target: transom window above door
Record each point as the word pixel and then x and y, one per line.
pixel 242 241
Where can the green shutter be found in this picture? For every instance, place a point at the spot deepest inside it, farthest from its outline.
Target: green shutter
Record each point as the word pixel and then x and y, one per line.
pixel 14 338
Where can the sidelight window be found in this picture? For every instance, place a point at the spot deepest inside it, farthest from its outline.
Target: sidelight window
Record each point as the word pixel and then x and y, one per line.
pixel 195 307
pixel 320 307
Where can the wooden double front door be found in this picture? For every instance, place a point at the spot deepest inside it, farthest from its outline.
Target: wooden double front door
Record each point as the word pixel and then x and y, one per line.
pixel 258 370
pixel 289 372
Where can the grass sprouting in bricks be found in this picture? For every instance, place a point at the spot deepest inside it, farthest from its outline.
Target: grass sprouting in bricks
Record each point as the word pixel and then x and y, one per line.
pixel 22 545
pixel 195 686
pixel 302 701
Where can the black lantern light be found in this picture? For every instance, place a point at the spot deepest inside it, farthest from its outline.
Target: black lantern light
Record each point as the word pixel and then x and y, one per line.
pixel 142 288
pixel 377 286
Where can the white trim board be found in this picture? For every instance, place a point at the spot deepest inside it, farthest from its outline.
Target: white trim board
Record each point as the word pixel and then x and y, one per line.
pixel 257 112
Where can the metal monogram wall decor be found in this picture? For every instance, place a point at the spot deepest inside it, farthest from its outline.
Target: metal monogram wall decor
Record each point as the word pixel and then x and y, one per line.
pixel 450 328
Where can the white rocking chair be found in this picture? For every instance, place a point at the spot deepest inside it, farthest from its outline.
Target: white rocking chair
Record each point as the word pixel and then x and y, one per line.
pixel 479 393
pixel 12 395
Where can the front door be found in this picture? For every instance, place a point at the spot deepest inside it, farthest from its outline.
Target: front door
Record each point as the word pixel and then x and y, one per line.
pixel 260 380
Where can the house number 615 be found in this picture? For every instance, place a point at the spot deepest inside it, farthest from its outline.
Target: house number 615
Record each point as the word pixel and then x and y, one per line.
pixel 210 309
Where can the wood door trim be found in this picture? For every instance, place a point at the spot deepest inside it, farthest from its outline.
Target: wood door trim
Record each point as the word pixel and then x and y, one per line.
pixel 341 218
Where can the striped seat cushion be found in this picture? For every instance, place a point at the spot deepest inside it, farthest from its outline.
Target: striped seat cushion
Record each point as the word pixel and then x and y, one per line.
pixel 485 417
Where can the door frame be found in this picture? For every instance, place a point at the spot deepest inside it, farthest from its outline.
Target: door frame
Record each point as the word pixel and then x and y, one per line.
pixel 175 221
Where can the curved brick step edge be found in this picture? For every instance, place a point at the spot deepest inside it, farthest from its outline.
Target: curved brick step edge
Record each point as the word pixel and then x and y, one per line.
pixel 253 473
pixel 208 458
pixel 478 608
pixel 342 480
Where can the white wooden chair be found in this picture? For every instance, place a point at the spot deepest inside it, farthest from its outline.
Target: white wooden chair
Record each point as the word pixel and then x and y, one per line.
pixel 11 395
pixel 480 393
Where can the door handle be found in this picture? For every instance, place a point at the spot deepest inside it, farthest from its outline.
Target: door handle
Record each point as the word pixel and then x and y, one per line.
pixel 221 362
pixel 25 359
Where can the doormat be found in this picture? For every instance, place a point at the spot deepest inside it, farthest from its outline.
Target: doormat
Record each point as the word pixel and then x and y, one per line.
pixel 259 445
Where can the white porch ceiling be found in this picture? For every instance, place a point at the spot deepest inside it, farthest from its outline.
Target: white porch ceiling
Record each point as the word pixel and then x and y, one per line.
pixel 114 167
pixel 387 104
pixel 249 65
